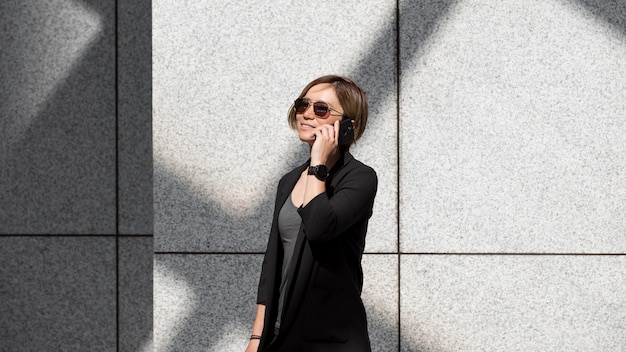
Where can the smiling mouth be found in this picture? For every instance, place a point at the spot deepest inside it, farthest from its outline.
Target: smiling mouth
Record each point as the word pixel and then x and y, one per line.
pixel 305 126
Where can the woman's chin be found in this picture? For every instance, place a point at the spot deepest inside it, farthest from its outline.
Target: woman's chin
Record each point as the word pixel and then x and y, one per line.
pixel 306 137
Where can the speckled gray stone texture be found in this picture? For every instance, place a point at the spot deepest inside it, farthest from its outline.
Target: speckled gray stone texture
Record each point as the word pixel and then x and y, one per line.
pixel 513 303
pixel 57 131
pixel 208 302
pixel 58 294
pixel 135 116
pixel 380 296
pixel 224 77
pixel 513 136
pixel 135 265
pixel 204 302
pixel 512 139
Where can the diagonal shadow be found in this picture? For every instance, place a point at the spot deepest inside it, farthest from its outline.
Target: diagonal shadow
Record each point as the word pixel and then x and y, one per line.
pixel 231 233
pixel 69 178
pixel 204 225
pixel 60 177
pixel 418 21
pixel 612 12
pixel 378 76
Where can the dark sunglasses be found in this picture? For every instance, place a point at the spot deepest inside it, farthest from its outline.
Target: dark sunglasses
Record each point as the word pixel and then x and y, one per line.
pixel 320 109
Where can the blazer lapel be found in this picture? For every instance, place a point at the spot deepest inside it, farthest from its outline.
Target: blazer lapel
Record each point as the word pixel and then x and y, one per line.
pixel 284 191
pixel 301 266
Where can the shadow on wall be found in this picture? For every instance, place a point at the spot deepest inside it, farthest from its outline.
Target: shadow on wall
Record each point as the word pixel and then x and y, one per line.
pixel 208 302
pixel 230 308
pixel 207 315
pixel 67 184
pixel 58 173
pixel 58 126
pixel 205 225
pixel 209 228
pixel 612 12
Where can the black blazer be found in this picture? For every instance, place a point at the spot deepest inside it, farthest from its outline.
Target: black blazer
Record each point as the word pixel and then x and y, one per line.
pixel 323 310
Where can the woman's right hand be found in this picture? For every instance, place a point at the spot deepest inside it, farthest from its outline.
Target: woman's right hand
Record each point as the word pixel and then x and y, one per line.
pixel 325 143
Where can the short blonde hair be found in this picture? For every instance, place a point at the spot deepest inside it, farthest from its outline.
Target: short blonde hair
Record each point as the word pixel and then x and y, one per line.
pixel 351 97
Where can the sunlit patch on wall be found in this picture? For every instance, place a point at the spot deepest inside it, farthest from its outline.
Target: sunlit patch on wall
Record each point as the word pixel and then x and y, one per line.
pixel 231 331
pixel 174 302
pixel 38 55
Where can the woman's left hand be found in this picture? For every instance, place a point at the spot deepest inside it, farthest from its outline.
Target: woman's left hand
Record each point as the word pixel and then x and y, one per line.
pixel 325 143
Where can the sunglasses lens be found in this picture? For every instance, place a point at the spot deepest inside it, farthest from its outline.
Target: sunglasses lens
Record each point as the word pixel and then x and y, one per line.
pixel 301 105
pixel 320 109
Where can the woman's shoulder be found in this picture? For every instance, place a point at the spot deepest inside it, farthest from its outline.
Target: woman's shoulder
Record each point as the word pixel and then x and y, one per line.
pixel 355 169
pixel 353 163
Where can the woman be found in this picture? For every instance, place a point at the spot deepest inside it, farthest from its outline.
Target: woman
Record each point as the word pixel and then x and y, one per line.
pixel 309 296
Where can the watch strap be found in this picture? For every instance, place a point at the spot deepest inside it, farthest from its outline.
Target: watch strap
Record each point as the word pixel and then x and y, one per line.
pixel 319 171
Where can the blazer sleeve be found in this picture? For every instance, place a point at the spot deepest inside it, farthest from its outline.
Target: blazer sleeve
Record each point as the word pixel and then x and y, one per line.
pixel 325 217
pixel 268 270
pixel 273 253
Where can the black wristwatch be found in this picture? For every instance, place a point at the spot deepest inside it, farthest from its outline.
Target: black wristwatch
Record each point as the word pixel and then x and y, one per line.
pixel 320 172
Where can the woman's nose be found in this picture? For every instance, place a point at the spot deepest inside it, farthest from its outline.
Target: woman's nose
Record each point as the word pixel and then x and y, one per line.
pixel 309 114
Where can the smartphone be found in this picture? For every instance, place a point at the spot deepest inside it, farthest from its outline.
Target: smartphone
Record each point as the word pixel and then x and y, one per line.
pixel 346 132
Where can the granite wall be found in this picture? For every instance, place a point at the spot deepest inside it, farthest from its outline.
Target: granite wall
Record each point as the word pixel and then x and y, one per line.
pixel 76 220
pixel 497 130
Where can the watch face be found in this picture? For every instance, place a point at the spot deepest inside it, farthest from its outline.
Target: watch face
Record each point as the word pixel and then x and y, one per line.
pixel 320 171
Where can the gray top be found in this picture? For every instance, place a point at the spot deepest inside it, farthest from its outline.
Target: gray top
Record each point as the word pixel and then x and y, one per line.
pixel 289 222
